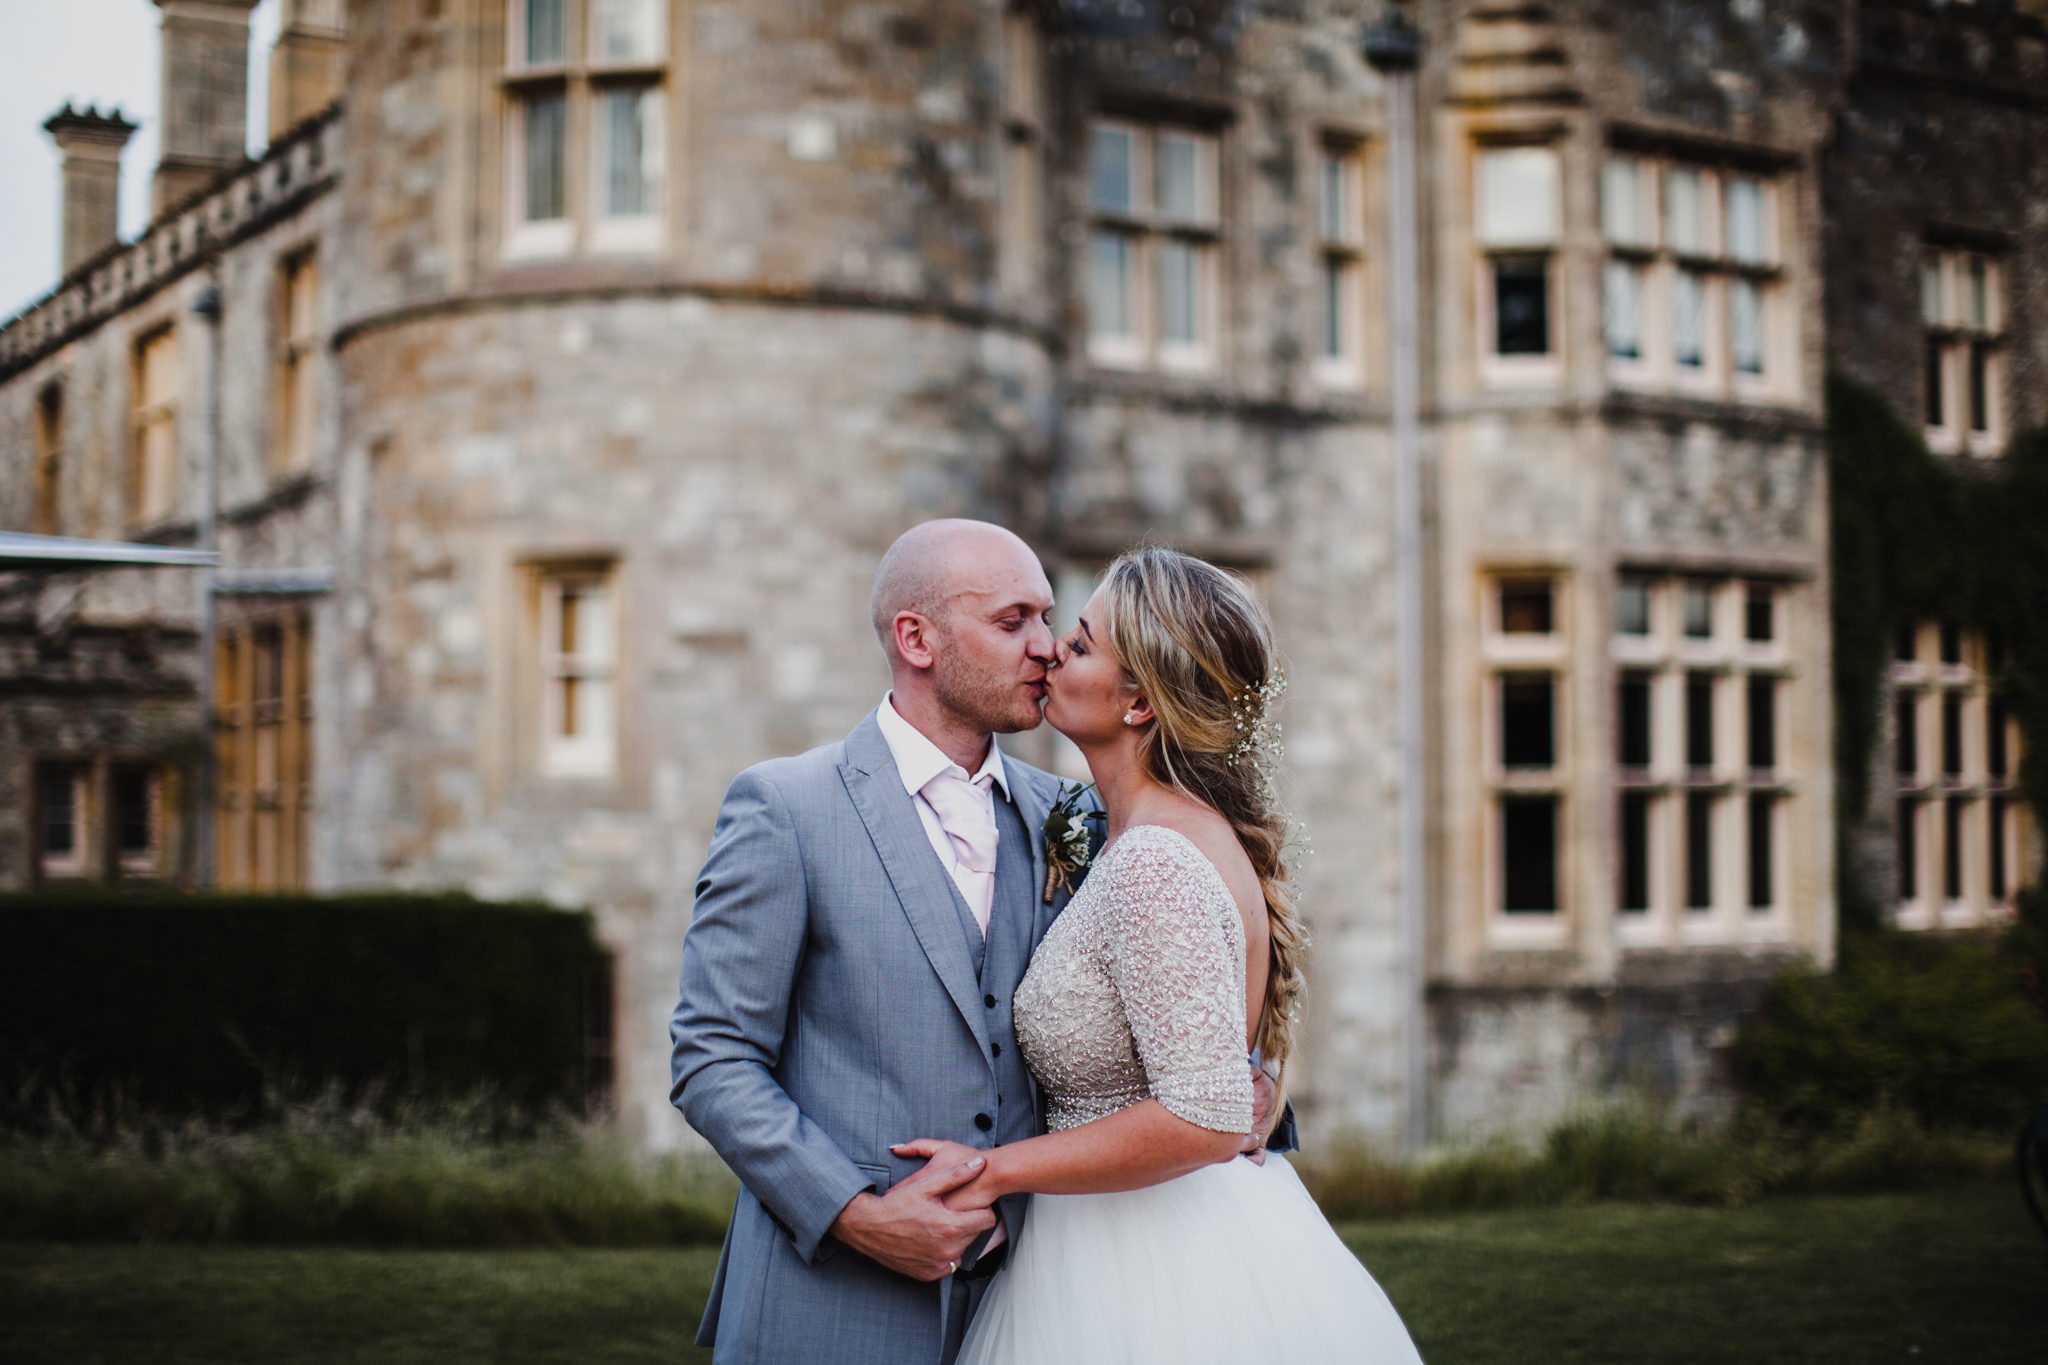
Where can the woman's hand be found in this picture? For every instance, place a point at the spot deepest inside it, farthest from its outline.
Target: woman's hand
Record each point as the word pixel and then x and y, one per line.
pixel 942 1155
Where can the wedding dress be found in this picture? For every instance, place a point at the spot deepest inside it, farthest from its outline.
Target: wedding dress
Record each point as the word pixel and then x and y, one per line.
pixel 1137 992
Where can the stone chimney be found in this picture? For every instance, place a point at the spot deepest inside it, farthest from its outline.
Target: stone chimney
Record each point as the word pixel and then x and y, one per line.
pixel 205 124
pixel 306 64
pixel 91 143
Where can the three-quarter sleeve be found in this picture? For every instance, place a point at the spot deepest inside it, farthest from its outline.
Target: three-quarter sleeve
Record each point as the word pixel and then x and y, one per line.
pixel 1174 948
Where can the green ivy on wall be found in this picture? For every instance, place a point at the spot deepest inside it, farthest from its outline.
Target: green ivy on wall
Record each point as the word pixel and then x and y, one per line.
pixel 1916 537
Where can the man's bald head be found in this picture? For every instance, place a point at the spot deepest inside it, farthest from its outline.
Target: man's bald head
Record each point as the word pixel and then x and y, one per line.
pixel 965 616
pixel 930 565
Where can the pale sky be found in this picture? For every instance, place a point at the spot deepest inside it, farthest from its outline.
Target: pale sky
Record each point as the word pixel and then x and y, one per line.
pixel 100 52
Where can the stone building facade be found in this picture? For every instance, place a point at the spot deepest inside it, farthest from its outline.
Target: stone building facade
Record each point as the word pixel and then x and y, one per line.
pixel 566 379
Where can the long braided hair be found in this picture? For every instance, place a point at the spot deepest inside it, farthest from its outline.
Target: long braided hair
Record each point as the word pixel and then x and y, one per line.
pixel 1196 641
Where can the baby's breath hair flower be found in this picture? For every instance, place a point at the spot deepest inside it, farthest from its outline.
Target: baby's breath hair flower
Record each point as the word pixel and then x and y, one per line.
pixel 1251 714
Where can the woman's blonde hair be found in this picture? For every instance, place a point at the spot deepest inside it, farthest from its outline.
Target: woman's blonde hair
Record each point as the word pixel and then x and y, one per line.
pixel 1196 642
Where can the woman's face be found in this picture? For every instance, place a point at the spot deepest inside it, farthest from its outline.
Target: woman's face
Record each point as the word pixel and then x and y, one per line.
pixel 1087 696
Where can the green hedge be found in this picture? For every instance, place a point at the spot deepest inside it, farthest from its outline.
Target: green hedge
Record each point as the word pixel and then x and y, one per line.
pixel 178 1004
pixel 1952 1032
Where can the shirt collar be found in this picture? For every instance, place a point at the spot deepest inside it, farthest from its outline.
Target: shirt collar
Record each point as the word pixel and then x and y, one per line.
pixel 918 760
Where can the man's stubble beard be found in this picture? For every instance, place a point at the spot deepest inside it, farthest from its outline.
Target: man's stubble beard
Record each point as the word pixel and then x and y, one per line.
pixel 985 700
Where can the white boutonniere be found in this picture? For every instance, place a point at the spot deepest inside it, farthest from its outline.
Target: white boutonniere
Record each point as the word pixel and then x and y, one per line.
pixel 1068 846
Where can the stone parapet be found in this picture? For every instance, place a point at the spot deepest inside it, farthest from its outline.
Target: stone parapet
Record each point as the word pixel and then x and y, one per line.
pixel 183 239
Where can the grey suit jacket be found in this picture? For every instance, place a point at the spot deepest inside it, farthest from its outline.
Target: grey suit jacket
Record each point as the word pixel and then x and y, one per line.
pixel 828 1009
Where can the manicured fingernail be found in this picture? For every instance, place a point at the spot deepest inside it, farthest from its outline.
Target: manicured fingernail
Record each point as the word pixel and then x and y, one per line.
pixel 976 1164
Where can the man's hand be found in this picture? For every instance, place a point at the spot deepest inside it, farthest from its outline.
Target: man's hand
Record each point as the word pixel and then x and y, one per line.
pixel 910 1229
pixel 1264 1116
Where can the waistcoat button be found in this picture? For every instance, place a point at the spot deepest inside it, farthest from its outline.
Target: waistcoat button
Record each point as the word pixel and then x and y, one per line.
pixel 984 1122
pixel 989 1000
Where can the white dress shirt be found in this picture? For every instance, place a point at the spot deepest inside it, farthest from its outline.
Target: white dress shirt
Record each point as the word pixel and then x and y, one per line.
pixel 918 761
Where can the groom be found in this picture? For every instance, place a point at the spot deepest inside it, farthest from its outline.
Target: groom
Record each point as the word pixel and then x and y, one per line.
pixel 865 914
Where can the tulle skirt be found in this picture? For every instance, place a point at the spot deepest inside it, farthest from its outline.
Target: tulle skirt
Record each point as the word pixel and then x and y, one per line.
pixel 1229 1264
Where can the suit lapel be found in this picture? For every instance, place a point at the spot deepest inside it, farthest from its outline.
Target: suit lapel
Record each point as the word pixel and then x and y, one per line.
pixel 921 884
pixel 1034 804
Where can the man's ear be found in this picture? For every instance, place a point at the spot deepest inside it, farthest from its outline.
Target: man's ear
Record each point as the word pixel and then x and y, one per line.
pixel 913 639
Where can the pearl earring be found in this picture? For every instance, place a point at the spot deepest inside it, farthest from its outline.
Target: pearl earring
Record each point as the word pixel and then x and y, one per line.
pixel 1130 717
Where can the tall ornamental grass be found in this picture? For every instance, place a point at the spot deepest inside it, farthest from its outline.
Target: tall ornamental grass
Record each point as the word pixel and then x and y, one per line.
pixel 360 1173
pixel 1631 1154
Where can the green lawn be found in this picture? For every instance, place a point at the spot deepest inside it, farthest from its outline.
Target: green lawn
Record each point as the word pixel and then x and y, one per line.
pixel 1957 1275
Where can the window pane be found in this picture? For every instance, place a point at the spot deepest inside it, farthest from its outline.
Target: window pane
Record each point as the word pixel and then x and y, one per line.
pixel 1110 279
pixel 1906 644
pixel 1623 300
pixel 546 154
pixel 1525 606
pixel 1632 607
pixel 1760 805
pixel 60 814
pixel 1685 211
pixel 1980 393
pixel 1697 600
pixel 634 139
pixel 1621 203
pixel 1634 702
pixel 1906 734
pixel 1994 737
pixel 1521 303
pixel 1931 310
pixel 1688 319
pixel 1699 720
pixel 1951 639
pixel 1335 343
pixel 1699 851
pixel 1763 724
pixel 1746 220
pixel 1908 850
pixel 1518 197
pixel 629 30
pixel 1997 850
pixel 1936 408
pixel 1180 301
pixel 1952 848
pixel 546 30
pixel 1977 312
pixel 1330 199
pixel 1758 614
pixel 1110 177
pixel 1635 852
pixel 592 645
pixel 1527 730
pixel 1952 735
pixel 160 369
pixel 1529 854
pixel 134 811
pixel 1180 177
pixel 1746 317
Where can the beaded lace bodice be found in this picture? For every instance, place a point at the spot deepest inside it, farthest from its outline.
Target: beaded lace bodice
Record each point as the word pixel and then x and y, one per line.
pixel 1137 991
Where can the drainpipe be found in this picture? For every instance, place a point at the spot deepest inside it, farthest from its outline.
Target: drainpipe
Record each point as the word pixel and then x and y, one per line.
pixel 207 307
pixel 1393 47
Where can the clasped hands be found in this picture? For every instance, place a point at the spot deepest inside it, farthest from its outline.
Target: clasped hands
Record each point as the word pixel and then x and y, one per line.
pixel 923 1226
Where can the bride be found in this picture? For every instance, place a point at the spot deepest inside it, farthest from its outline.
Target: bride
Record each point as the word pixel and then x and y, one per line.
pixel 1149 1240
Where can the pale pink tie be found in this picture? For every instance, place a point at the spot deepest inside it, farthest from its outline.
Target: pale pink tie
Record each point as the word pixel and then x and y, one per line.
pixel 964 813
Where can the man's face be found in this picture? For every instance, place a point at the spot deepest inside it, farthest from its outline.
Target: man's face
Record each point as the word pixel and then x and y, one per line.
pixel 994 639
